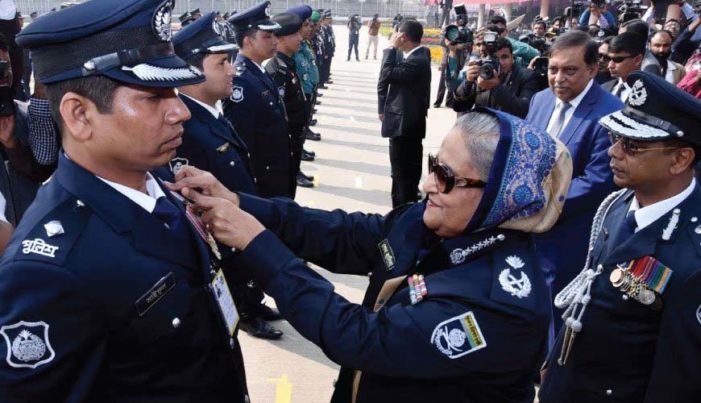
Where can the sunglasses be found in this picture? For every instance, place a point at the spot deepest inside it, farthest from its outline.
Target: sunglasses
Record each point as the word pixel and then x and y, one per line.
pixel 632 147
pixel 620 59
pixel 446 180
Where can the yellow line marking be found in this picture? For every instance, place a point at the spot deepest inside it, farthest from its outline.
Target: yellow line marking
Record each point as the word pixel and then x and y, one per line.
pixel 283 389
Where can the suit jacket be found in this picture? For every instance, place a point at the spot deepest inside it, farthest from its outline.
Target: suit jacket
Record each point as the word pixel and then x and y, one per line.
pixel 564 246
pixel 214 146
pixel 609 85
pixel 677 72
pixel 115 308
pixel 640 353
pixel 404 93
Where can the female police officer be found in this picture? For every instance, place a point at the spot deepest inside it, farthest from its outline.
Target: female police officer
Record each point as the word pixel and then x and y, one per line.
pixel 457 308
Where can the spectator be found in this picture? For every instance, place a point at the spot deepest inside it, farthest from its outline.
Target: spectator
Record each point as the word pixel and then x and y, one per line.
pixel 523 53
pixel 661 48
pixel 373 39
pixel 604 75
pixel 354 25
pixel 626 56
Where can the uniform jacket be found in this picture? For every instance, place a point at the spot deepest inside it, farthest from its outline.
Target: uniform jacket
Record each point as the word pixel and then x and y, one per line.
pixel 407 353
pixel 258 114
pixel 114 309
pixel 214 146
pixel 283 70
pixel 627 351
pixel 403 91
pixel 306 67
pixel 566 243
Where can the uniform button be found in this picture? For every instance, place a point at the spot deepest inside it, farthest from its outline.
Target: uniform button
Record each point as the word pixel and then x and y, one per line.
pixel 291 154
pixel 232 163
pixel 232 342
pixel 271 104
pixel 267 167
pixel 609 392
pixel 176 323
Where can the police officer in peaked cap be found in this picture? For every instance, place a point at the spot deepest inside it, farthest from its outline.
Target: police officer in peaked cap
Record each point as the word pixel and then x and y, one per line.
pixel 109 289
pixel 256 108
pixel 633 316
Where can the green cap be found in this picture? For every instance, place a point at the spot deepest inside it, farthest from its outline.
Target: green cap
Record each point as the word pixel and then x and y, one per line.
pixel 316 16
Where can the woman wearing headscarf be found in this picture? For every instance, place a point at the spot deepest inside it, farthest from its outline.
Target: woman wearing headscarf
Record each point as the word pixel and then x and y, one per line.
pixel 457 309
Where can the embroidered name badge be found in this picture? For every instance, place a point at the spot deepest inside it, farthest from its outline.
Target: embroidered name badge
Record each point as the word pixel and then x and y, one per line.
pixel 39 247
pixel 153 295
pixel 458 336
pixel 387 254
pixel 27 344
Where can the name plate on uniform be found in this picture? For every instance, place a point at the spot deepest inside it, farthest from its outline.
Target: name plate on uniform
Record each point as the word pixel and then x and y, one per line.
pixel 153 295
pixel 225 301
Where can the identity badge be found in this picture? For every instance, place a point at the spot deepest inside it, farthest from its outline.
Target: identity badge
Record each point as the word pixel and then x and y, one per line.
pixel 225 302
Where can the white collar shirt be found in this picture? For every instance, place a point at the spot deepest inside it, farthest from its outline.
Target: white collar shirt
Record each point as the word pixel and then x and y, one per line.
pixel 409 53
pixel 645 216
pixel 146 201
pixel 621 90
pixel 568 115
pixel 215 110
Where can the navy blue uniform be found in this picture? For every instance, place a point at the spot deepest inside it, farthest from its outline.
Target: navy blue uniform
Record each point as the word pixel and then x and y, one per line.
pixel 115 308
pixel 214 146
pixel 479 334
pixel 258 114
pixel 627 351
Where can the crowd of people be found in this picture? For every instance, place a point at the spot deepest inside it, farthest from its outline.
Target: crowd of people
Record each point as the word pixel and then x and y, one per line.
pixel 554 241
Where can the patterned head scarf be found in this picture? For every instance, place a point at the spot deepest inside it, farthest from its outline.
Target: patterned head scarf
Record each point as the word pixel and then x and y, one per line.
pixel 528 180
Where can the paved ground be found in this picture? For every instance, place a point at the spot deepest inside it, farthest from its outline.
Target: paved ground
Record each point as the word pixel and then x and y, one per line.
pixel 352 167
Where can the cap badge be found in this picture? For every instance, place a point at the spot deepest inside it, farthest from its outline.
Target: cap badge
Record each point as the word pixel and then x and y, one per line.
pixel 161 20
pixel 148 72
pixel 267 11
pixel 638 94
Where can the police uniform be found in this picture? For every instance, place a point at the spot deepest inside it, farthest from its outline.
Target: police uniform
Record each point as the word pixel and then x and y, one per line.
pixel 258 114
pixel 101 301
pixel 636 335
pixel 329 48
pixel 458 319
pixel 283 71
pixel 211 143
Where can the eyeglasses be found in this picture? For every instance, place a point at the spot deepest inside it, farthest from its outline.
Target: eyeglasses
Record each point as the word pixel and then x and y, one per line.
pixel 619 59
pixel 632 147
pixel 604 57
pixel 446 180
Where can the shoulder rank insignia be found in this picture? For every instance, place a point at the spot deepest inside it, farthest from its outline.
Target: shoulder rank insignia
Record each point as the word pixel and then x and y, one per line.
pixel 518 286
pixel 458 336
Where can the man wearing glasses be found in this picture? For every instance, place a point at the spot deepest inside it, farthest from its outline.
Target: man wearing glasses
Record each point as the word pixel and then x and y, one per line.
pixel 457 307
pixel 636 307
pixel 570 111
pixel 626 54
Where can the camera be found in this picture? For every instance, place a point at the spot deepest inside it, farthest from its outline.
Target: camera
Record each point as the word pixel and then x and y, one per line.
pixel 459 33
pixel 489 66
pixel 576 9
pixel 631 9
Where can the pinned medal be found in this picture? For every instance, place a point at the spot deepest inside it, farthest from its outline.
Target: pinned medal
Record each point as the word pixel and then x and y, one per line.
pixel 642 279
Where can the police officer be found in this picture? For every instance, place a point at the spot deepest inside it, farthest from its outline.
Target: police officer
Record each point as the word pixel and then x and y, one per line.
pixel 329 46
pixel 283 70
pixel 256 108
pixel 109 291
pixel 211 143
pixel 306 63
pixel 457 307
pixel 633 316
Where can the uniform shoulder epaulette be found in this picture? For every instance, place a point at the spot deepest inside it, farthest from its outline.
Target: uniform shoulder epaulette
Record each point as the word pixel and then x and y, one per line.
pixel 51 237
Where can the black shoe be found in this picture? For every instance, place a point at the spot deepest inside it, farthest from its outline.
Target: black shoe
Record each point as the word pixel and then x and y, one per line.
pixel 319 95
pixel 307 157
pixel 329 81
pixel 322 87
pixel 310 135
pixel 436 105
pixel 268 313
pixel 312 153
pixel 314 110
pixel 308 177
pixel 259 328
pixel 302 181
pixel 313 122
pixel 317 102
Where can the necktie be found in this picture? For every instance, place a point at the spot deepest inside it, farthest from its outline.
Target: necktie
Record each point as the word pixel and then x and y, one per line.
pixel 168 213
pixel 560 120
pixel 626 230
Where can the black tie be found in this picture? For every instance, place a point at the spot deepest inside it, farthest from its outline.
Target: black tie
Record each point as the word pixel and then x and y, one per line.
pixel 626 230
pixel 169 214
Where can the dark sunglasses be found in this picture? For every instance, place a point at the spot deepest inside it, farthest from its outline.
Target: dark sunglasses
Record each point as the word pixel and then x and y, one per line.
pixel 446 180
pixel 620 59
pixel 632 147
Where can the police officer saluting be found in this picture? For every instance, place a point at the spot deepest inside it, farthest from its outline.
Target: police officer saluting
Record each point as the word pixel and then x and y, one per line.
pixel 256 108
pixel 633 316
pixel 283 70
pixel 109 291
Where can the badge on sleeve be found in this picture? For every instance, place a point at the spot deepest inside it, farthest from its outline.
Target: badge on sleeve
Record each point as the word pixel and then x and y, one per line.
pixel 237 95
pixel 27 344
pixel 225 302
pixel 458 336
pixel 387 254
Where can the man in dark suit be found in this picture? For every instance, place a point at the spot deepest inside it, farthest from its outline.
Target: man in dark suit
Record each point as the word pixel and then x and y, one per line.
pixel 109 289
pixel 211 143
pixel 570 110
pixel 636 308
pixel 626 53
pixel 510 90
pixel 403 97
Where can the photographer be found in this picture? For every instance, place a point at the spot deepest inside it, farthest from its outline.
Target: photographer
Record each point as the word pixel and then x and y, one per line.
pixel 26 132
pixel 455 50
pixel 689 39
pixel 496 81
pixel 354 26
pixel 523 52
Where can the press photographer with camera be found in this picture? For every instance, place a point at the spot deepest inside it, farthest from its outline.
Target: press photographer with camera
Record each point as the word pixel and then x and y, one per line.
pixel 496 81
pixel 354 26
pixel 523 52
pixel 26 130
pixel 597 13
pixel 456 41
